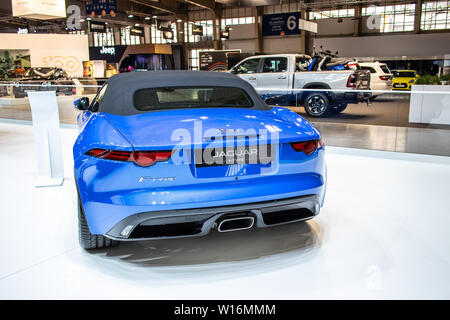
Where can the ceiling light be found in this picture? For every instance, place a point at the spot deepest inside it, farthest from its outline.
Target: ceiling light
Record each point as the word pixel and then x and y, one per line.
pixel 147 18
pixel 179 20
pixel 130 16
pixel 88 18
pixel 136 24
pixel 154 17
pixel 81 20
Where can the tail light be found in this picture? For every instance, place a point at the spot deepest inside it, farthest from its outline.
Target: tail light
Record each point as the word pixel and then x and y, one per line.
pixel 354 65
pixel 384 78
pixel 351 82
pixel 141 158
pixel 308 147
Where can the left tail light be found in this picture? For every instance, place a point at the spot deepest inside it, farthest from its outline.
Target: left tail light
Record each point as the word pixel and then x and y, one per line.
pixel 351 82
pixel 141 158
pixel 307 147
pixel 384 78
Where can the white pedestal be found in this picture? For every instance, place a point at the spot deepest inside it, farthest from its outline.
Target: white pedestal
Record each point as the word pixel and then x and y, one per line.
pixel 433 108
pixel 44 111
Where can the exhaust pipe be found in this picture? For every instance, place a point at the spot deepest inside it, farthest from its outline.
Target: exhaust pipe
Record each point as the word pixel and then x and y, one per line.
pixel 234 224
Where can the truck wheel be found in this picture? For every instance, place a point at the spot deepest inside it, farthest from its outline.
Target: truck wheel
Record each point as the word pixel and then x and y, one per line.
pixel 87 239
pixel 340 107
pixel 316 104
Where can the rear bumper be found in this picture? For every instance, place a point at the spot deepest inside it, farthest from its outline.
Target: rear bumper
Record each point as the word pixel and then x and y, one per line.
pixel 200 221
pixel 102 216
pixel 110 192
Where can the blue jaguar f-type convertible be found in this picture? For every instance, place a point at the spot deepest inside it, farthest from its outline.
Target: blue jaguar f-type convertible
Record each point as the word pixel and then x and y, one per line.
pixel 166 154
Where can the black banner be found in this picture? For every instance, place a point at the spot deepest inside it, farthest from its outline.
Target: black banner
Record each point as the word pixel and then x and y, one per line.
pixel 218 60
pixel 281 24
pixel 167 34
pixel 112 54
pixel 101 7
pixel 197 30
pixel 231 309
pixel 137 31
pixel 97 26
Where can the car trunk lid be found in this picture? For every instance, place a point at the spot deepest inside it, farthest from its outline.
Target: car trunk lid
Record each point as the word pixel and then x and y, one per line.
pixel 220 142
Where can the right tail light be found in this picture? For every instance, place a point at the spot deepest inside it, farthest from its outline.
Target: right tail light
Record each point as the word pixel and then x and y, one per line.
pixel 307 147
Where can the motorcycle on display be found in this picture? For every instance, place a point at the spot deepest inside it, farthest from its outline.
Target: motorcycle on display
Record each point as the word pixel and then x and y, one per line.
pixel 323 61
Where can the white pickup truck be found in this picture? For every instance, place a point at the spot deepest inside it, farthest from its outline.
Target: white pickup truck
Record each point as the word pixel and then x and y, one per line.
pixel 280 80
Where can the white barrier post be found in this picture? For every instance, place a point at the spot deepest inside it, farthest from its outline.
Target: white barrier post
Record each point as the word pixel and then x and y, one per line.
pixel 47 137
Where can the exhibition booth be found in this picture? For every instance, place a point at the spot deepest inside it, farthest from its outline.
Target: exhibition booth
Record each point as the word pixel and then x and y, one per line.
pixel 67 51
pixel 123 58
pixel 271 170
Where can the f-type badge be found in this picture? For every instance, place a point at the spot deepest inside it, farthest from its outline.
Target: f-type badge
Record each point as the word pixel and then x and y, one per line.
pixel 157 179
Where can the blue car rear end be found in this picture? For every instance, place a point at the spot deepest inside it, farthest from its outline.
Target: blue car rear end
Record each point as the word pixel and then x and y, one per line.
pixel 173 194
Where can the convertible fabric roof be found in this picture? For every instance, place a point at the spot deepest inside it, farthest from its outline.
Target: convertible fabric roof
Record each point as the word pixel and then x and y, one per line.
pixel 118 97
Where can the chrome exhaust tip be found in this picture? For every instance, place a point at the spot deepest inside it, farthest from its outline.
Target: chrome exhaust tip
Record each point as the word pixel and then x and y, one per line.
pixel 235 224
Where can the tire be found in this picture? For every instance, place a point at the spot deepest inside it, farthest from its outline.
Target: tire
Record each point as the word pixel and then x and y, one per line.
pixel 88 240
pixel 317 104
pixel 340 107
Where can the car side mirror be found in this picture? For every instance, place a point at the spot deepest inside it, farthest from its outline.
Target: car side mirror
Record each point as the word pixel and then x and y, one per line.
pixel 82 103
pixel 234 70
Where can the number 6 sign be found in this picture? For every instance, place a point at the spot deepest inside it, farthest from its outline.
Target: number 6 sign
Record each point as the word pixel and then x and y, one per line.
pixel 291 23
pixel 281 24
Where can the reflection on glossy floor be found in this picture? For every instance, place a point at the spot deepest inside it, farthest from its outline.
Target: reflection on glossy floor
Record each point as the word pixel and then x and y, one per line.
pixel 400 139
pixel 383 233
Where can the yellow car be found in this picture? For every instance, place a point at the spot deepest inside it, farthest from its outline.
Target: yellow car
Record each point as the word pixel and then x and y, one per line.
pixel 404 79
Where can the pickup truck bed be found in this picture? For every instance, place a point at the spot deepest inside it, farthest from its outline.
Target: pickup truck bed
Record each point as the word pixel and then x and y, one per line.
pixel 277 79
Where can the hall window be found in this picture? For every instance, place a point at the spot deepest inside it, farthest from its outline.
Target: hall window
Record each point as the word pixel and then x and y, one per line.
pixel 127 38
pixel 77 32
pixel 207 31
pixel 325 14
pixel 158 35
pixel 236 21
pixel 396 18
pixel 435 15
pixel 103 38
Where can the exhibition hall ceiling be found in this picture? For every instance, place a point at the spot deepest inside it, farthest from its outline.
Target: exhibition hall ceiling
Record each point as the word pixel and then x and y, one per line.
pixel 129 12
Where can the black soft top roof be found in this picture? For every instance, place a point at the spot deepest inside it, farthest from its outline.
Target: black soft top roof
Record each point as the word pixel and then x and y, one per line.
pixel 118 97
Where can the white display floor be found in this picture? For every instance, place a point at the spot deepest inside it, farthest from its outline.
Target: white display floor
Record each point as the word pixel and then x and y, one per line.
pixel 383 233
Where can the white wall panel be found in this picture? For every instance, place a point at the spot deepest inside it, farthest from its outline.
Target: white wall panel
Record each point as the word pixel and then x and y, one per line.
pixel 328 27
pixel 67 51
pixel 398 45
pixel 244 45
pixel 242 31
pixel 282 45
